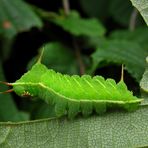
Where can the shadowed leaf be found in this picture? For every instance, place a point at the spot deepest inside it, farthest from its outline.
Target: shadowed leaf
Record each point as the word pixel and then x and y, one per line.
pixel 142 6
pixel 116 130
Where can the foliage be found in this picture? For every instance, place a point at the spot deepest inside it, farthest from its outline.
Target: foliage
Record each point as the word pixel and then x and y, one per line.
pixel 16 16
pixel 58 61
pixel 112 130
pixel 138 35
pixel 79 26
pixel 89 36
pixel 142 6
pixel 8 109
pixel 121 52
pixel 144 81
pixel 144 84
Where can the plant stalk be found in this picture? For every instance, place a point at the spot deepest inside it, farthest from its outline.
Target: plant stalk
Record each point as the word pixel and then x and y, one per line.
pixel 66 7
pixel 132 23
pixel 79 57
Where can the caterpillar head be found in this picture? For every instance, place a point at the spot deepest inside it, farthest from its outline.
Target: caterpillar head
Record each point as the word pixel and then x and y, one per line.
pixel 19 89
pixel 27 85
pixel 22 90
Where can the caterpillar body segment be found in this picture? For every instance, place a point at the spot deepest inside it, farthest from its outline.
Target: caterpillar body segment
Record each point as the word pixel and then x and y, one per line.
pixel 74 94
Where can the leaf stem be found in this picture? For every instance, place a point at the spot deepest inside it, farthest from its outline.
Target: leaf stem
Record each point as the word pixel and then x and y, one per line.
pixel 132 22
pixel 66 7
pixel 79 57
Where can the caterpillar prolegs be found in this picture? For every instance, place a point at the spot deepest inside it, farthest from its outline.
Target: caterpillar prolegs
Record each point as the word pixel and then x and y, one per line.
pixel 74 94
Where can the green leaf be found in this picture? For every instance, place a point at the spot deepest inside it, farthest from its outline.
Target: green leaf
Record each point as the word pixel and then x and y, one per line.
pixel 16 16
pixel 144 84
pixel 95 8
pixel 139 35
pixel 77 26
pixel 121 52
pixel 142 6
pixel 117 130
pixel 58 57
pixel 144 81
pixel 8 109
pixel 118 8
pixel 6 47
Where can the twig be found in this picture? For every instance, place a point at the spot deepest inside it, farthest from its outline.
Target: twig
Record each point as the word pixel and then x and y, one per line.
pixel 66 6
pixel 78 56
pixel 133 18
pixel 132 24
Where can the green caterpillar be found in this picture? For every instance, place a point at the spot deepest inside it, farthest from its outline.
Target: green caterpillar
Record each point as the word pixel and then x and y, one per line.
pixel 74 94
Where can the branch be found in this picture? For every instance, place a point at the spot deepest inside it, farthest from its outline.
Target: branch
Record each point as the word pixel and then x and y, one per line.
pixel 133 18
pixel 79 58
pixel 66 6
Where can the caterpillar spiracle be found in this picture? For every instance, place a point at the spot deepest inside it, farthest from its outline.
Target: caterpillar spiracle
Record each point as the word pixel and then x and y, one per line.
pixel 74 94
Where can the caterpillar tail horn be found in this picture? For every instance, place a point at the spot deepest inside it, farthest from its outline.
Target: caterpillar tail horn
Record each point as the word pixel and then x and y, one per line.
pixel 7 91
pixel 122 73
pixel 41 55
